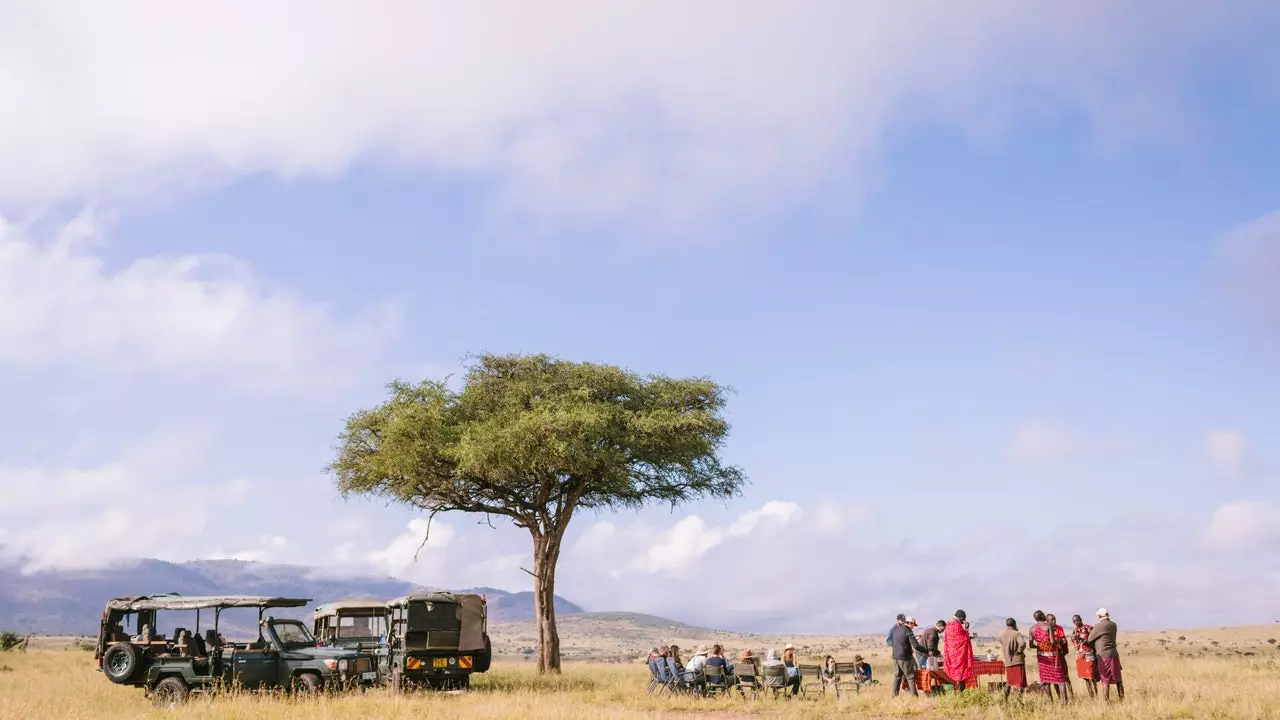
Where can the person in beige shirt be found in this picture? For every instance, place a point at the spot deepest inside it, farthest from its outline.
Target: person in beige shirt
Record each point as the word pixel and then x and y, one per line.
pixel 1014 647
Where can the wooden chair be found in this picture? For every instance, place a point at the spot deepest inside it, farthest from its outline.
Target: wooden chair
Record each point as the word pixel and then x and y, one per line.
pixel 847 677
pixel 811 678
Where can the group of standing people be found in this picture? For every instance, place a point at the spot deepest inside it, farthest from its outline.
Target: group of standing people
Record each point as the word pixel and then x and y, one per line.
pixel 910 654
pixel 1097 659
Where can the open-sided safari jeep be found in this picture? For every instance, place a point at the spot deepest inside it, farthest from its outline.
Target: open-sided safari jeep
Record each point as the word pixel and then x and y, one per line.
pixel 438 639
pixel 170 669
pixel 359 625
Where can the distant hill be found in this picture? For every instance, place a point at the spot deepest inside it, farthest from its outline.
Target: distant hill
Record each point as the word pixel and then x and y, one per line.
pixel 68 602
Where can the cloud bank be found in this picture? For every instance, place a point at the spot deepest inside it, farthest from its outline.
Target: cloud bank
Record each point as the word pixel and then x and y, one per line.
pixel 658 112
pixel 192 315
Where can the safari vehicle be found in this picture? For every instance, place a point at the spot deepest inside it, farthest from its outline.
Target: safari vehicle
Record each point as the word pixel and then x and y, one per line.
pixel 359 625
pixel 170 669
pixel 438 639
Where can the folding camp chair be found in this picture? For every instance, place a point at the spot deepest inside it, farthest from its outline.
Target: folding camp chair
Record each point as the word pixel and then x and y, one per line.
pixel 679 680
pixel 847 677
pixel 657 675
pixel 714 680
pixel 747 678
pixel 811 678
pixel 774 678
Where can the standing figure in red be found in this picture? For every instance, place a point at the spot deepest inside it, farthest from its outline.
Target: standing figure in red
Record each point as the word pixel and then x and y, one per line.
pixel 957 653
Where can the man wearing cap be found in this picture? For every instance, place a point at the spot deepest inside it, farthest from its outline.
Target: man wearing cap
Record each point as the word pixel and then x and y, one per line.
pixel 957 660
pixel 904 643
pixel 1103 640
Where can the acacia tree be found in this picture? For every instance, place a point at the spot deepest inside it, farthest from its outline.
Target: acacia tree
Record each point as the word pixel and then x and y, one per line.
pixel 535 439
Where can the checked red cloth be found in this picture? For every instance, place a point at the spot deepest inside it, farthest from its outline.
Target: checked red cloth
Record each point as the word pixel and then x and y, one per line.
pixel 988 667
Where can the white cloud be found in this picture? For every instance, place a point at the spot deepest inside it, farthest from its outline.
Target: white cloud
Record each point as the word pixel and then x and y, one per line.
pixel 1226 448
pixel 408 557
pixel 268 548
pixel 658 111
pixel 1244 525
pixel 802 577
pixel 193 314
pixel 1040 441
pixel 143 503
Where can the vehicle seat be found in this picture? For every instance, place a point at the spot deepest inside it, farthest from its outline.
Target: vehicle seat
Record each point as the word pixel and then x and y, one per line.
pixel 196 646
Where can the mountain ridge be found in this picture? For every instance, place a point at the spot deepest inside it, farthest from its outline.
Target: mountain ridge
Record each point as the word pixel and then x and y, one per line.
pixel 68 602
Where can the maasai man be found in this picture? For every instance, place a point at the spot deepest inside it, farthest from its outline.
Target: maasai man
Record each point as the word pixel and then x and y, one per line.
pixel 1014 648
pixel 1050 642
pixel 1103 638
pixel 957 660
pixel 1086 661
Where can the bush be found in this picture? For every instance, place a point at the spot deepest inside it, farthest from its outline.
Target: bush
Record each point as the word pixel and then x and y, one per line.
pixel 9 640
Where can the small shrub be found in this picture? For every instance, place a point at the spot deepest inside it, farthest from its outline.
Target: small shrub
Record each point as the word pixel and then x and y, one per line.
pixel 9 640
pixel 5 668
pixel 1182 638
pixel 1271 641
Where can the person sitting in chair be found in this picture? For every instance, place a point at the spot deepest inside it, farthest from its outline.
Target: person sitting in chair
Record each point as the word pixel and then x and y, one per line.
pixel 861 671
pixel 793 672
pixel 828 673
pixel 716 659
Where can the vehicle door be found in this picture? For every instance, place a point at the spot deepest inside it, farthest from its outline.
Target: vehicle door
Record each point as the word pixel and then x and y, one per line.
pixel 256 668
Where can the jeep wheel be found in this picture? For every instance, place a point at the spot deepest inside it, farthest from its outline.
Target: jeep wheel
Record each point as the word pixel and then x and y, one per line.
pixel 307 684
pixel 170 693
pixel 484 658
pixel 120 662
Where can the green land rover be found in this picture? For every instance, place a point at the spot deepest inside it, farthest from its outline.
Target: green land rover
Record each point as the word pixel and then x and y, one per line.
pixel 170 668
pixel 437 639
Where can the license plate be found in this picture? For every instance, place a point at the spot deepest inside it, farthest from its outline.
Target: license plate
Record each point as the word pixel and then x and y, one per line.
pixel 440 662
pixel 369 676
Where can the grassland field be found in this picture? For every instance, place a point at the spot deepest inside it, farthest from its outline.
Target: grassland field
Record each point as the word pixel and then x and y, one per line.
pixel 1223 673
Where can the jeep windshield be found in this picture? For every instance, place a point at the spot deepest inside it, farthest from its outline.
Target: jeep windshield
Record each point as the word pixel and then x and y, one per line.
pixel 291 633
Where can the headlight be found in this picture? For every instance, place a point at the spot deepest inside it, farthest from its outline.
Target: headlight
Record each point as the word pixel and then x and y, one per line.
pixel 344 665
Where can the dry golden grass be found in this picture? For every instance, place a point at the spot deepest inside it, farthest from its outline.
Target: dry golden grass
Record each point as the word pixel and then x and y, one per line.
pixel 1215 682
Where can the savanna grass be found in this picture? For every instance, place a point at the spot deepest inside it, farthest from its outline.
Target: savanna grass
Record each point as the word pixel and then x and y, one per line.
pixel 49 684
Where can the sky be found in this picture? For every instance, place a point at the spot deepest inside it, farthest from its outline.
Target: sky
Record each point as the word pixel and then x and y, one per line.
pixel 996 286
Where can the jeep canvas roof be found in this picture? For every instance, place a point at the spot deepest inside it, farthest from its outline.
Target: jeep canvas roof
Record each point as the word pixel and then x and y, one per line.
pixel 433 596
pixel 374 607
pixel 173 601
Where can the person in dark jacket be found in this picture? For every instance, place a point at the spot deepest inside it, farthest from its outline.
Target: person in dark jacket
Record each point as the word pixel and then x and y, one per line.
pixel 903 641
pixel 931 639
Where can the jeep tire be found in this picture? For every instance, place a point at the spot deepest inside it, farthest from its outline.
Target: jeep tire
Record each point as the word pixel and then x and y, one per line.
pixel 307 684
pixel 170 693
pixel 120 662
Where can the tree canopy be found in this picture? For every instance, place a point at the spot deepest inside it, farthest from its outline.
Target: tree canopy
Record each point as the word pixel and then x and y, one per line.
pixel 534 438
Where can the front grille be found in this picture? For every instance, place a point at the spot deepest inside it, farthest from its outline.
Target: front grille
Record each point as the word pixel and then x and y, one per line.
pixel 364 664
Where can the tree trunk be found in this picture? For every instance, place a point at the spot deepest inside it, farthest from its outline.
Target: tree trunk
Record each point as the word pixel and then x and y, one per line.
pixel 546 554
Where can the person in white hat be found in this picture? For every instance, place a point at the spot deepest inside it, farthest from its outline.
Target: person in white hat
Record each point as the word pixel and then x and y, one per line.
pixel 1103 640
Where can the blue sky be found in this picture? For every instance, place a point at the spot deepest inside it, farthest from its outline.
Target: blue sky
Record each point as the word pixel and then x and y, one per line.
pixel 1016 262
